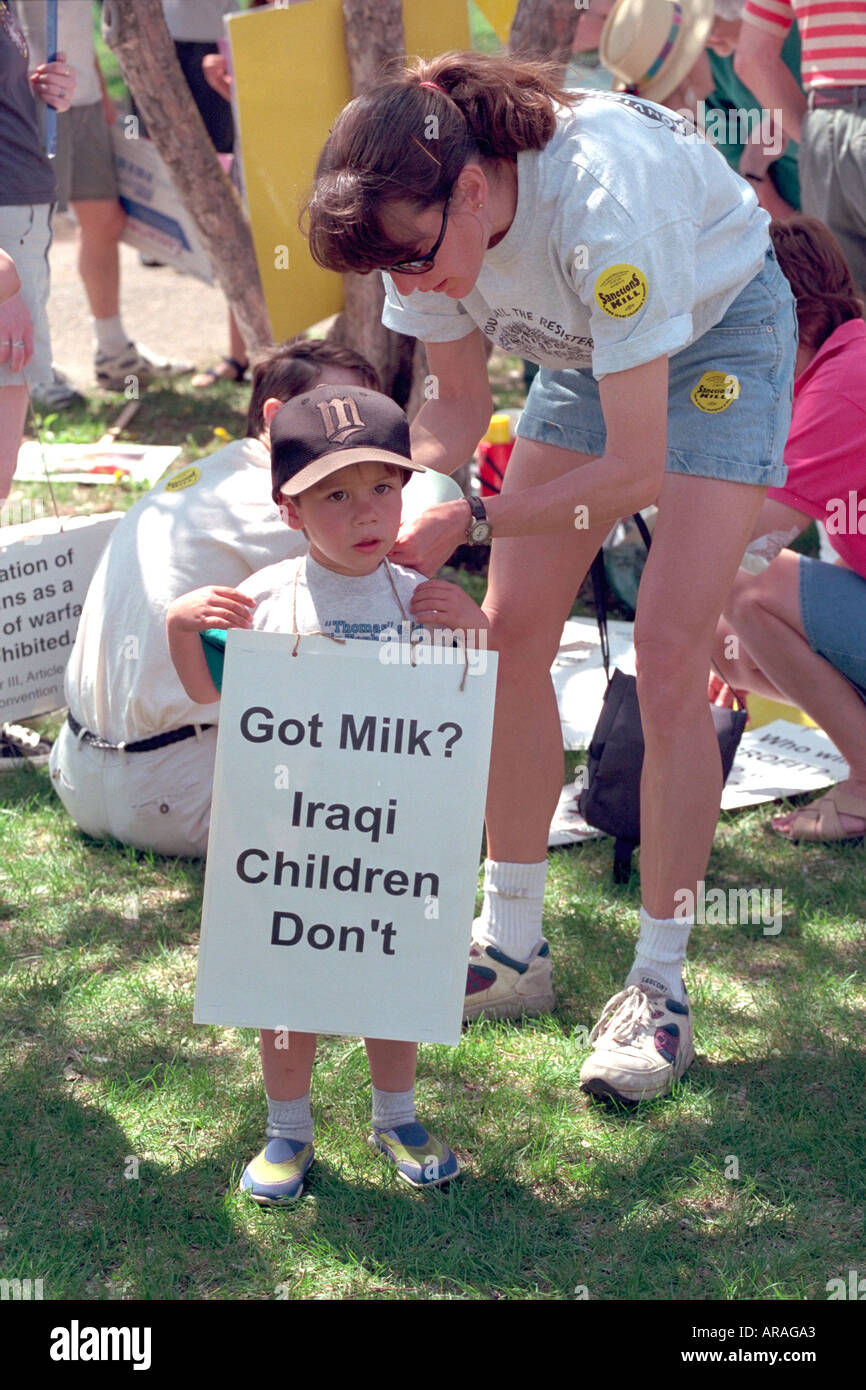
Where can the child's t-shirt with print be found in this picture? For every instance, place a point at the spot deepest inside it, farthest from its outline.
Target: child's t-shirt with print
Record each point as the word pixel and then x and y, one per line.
pixel 340 605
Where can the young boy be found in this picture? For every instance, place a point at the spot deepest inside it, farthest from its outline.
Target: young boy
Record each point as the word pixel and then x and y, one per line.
pixel 339 459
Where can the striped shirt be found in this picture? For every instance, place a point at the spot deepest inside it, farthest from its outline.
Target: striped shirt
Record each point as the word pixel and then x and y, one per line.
pixel 833 34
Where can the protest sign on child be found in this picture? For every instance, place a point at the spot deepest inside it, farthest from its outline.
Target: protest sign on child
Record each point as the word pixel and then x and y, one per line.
pixel 345 835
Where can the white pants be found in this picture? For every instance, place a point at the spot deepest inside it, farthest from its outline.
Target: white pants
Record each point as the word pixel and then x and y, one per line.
pixel 158 801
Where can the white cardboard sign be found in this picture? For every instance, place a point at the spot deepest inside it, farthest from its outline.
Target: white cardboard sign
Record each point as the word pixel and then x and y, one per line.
pixel 781 760
pixel 157 219
pixel 44 577
pixel 345 835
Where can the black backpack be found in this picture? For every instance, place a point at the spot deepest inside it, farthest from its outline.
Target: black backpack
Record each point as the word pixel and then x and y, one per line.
pixel 610 799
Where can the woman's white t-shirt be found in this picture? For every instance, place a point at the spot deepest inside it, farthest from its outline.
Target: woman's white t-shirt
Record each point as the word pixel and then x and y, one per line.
pixel 631 237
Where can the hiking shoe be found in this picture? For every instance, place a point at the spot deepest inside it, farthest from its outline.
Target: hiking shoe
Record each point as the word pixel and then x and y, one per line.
pixel 275 1177
pixel 56 394
pixel 499 987
pixel 641 1043
pixel 18 744
pixel 114 369
pixel 420 1158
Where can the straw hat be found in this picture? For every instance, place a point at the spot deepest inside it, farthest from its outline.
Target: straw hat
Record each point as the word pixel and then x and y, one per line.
pixel 650 45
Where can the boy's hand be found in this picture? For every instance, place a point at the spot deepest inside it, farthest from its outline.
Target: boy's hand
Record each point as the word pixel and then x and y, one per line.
pixel 210 607
pixel 436 603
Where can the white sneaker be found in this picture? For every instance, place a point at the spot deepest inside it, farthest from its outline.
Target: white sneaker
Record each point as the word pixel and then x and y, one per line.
pixel 499 987
pixel 114 369
pixel 641 1043
pixel 19 744
pixel 56 394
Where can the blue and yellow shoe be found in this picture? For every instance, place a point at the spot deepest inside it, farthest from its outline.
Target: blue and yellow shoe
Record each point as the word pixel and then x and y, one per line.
pixel 275 1177
pixel 420 1158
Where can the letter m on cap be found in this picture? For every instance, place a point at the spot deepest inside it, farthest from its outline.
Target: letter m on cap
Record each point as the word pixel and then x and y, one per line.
pixel 341 418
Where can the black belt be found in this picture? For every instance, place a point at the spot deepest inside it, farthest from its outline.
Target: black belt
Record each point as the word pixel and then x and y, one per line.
pixel 142 745
pixel 836 96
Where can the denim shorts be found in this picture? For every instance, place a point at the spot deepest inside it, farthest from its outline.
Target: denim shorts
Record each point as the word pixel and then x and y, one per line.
pixel 25 235
pixel 729 393
pixel 833 605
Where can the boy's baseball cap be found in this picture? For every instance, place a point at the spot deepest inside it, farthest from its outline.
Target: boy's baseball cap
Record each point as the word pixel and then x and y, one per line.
pixel 326 429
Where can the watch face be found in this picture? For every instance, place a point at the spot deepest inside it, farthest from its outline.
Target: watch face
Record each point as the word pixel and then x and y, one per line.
pixel 479 532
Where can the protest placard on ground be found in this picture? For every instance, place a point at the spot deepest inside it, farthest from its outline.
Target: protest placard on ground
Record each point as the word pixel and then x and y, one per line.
pixel 345 835
pixel 94 463
pixel 779 760
pixel 44 575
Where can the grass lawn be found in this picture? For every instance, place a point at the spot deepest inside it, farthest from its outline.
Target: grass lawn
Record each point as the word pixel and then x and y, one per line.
pixel 132 1125
pixel 126 1127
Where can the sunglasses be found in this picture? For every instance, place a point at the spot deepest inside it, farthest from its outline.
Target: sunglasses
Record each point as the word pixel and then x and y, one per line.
pixel 422 264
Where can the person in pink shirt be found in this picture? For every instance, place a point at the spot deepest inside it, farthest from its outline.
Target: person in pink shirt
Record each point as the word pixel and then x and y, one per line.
pixel 802 622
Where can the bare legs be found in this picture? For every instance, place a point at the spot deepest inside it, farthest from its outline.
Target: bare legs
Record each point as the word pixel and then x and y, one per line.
pixel 533 579
pixel 689 572
pixel 288 1070
pixel 775 658
pixel 100 222
pixel 13 410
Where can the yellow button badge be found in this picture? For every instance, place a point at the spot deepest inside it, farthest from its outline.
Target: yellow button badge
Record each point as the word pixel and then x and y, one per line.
pixel 715 391
pixel 621 291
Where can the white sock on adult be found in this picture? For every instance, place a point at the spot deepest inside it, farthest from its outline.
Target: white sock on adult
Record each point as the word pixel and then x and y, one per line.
pixel 513 902
pixel 661 953
pixel 290 1119
pixel 111 336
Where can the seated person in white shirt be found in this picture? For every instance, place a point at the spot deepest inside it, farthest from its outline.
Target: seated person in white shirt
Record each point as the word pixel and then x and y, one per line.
pixel 134 761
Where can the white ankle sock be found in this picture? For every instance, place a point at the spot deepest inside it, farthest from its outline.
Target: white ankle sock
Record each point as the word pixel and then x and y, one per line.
pixel 661 953
pixel 513 902
pixel 290 1119
pixel 393 1108
pixel 111 336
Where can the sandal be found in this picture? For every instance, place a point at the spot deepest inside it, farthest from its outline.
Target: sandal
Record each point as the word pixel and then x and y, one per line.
pixel 237 371
pixel 821 821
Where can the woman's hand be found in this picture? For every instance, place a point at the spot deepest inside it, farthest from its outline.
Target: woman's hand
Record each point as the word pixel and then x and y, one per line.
pixel 16 333
pixel 722 694
pixel 425 543
pixel 439 604
pixel 210 607
pixel 215 72
pixel 54 83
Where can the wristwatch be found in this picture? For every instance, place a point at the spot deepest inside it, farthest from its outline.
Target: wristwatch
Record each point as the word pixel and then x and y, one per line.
pixel 479 530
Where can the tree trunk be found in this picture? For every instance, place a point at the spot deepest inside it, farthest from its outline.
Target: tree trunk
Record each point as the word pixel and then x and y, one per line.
pixel 544 29
pixel 136 31
pixel 374 35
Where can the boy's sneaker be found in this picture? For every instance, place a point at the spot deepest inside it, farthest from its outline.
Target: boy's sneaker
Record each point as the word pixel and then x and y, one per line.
pixel 420 1158
pixel 275 1177
pixel 114 369
pixel 499 987
pixel 641 1043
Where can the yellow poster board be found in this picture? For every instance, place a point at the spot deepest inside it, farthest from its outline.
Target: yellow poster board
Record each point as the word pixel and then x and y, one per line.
pixel 291 80
pixel 499 14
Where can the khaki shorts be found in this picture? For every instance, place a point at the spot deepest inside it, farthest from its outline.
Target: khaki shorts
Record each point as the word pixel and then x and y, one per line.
pixel 159 800
pixel 25 235
pixel 84 166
